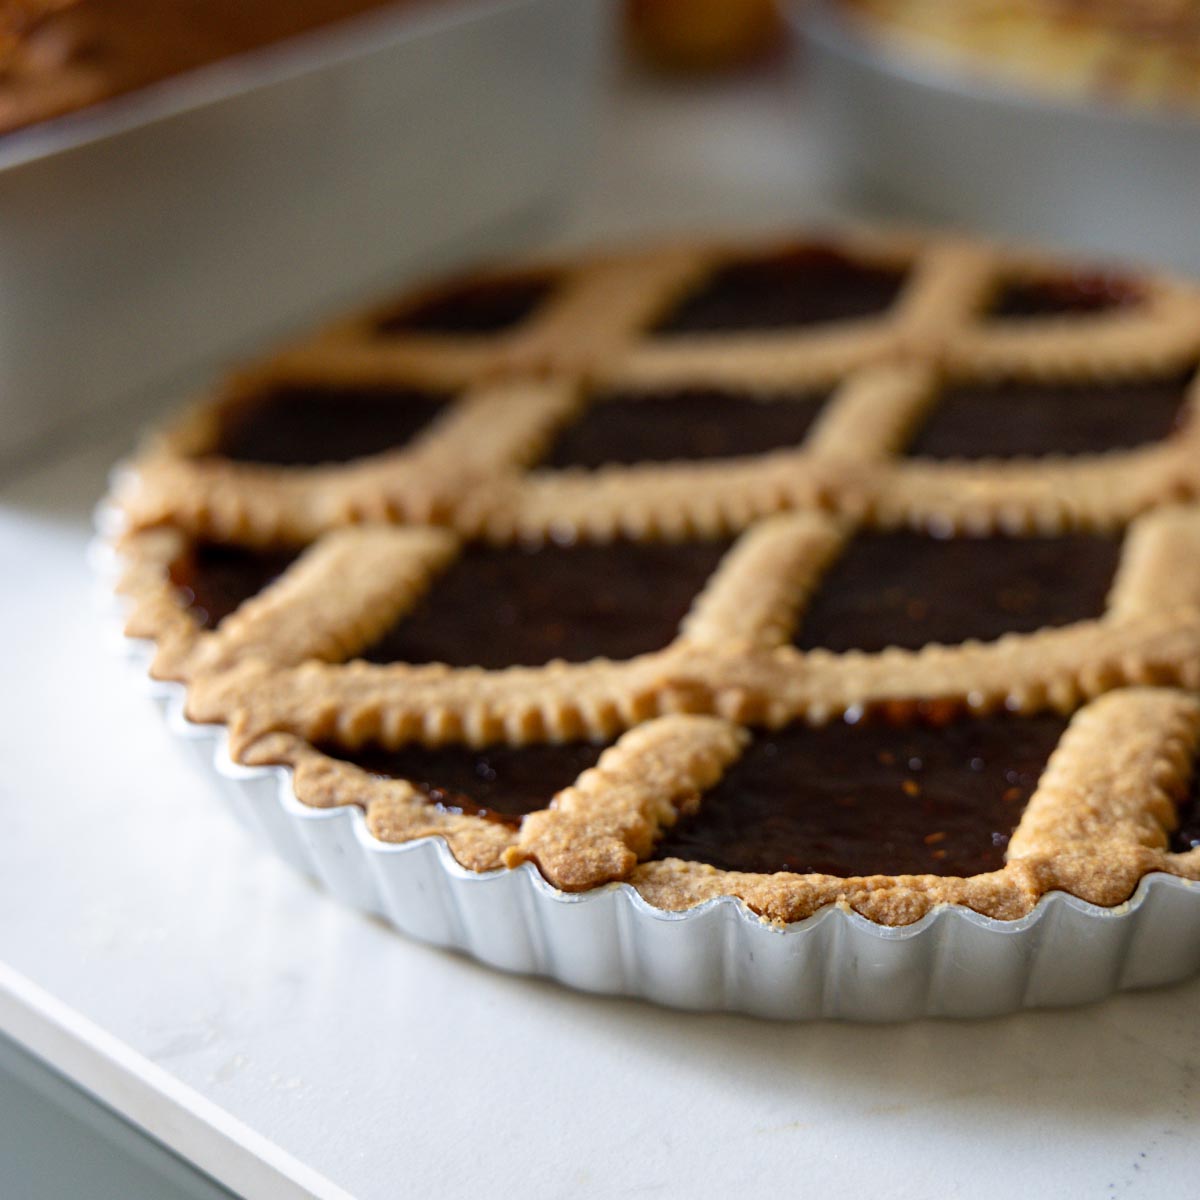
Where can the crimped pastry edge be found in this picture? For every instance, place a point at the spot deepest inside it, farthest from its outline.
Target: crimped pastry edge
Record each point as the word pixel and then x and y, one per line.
pixel 1015 505
pixel 588 338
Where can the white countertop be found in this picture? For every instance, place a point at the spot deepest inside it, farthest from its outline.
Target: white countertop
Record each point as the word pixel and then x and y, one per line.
pixel 293 1048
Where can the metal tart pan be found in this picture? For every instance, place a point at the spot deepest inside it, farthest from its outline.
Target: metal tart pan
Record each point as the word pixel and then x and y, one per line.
pixel 914 138
pixel 717 956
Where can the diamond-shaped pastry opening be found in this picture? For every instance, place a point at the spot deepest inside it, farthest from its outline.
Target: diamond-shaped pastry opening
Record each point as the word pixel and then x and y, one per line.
pixel 1077 294
pixel 692 424
pixel 214 580
pixel 909 589
pixel 807 285
pixel 308 425
pixel 500 783
pixel 871 799
pixel 1028 418
pixel 526 605
pixel 1186 835
pixel 481 306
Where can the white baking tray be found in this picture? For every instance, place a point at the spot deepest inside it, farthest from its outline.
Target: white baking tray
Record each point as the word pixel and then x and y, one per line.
pixel 936 144
pixel 717 956
pixel 148 236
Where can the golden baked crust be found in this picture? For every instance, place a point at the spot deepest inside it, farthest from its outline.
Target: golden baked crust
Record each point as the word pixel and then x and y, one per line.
pixel 1098 822
pixel 731 656
pixel 1140 52
pixel 281 670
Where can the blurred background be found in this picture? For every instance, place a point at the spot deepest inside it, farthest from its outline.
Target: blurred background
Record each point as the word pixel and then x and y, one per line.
pixel 181 183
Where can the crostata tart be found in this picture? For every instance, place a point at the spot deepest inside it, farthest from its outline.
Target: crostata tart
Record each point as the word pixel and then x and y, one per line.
pixel 1144 54
pixel 858 570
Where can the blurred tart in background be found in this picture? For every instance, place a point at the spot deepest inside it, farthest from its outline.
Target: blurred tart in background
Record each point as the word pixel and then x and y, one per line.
pixel 1140 52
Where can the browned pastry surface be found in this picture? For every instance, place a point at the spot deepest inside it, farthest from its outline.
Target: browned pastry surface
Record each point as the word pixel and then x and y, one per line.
pixel 57 56
pixel 1144 53
pixel 849 505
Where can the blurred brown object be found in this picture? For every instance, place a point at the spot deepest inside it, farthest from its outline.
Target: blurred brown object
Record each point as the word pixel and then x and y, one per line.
pixel 702 35
pixel 57 56
pixel 17 17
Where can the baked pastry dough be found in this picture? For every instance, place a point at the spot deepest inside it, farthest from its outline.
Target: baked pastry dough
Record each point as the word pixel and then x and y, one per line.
pixel 494 565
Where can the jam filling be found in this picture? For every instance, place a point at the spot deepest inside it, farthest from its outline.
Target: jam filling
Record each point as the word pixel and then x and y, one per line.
pixel 215 580
pixel 1065 295
pixel 1187 834
pixel 478 307
pixel 524 606
pixel 500 784
pixel 804 286
pixel 1015 419
pixel 306 426
pixel 908 589
pixel 871 799
pixel 694 424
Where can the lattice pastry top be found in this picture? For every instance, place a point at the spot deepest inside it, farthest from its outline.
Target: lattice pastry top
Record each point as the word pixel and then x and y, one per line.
pixel 523 559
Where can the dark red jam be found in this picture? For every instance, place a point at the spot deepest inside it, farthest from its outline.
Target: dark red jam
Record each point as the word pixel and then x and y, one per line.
pixel 485 306
pixel 525 606
pixel 805 286
pixel 501 783
pixel 1016 419
pixel 908 589
pixel 304 426
pixel 1064 295
pixel 1187 834
pixel 214 580
pixel 694 424
pixel 871 799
